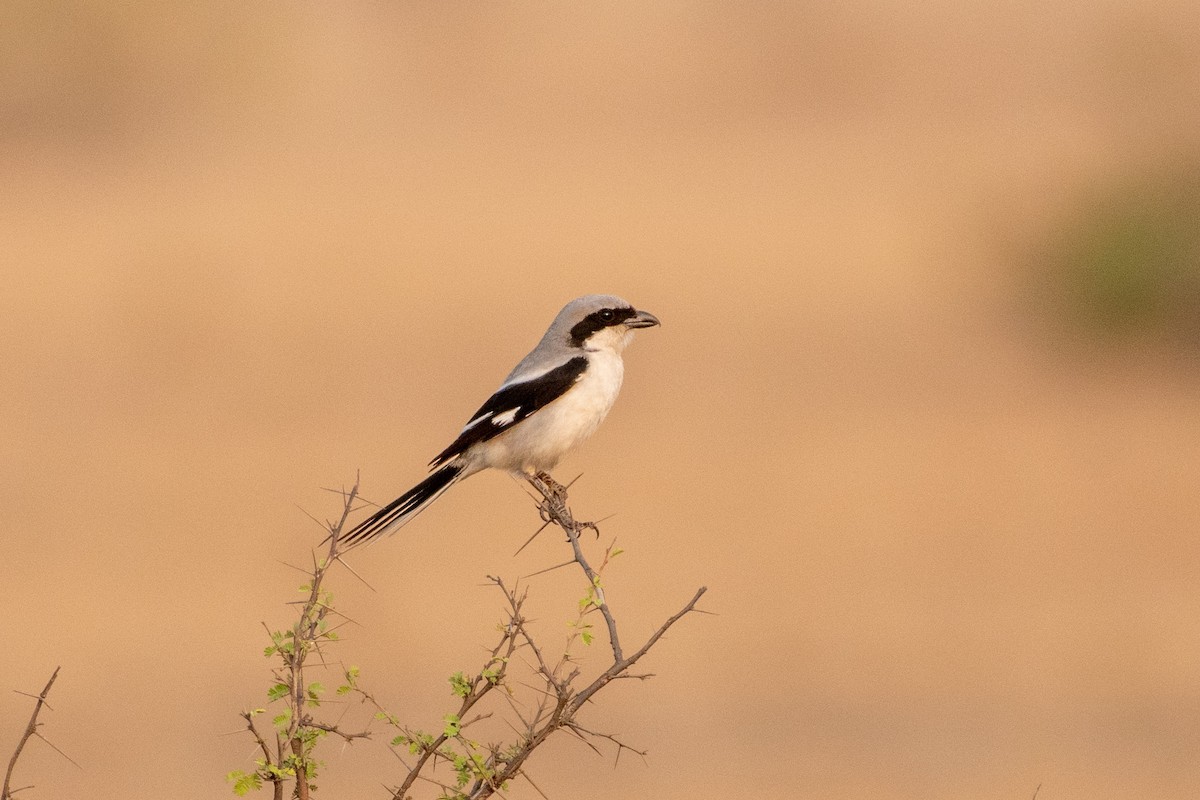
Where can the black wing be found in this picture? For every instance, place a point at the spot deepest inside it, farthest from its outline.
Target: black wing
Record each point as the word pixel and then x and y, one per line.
pixel 513 403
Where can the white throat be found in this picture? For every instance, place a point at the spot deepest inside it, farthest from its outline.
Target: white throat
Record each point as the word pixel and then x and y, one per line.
pixel 613 340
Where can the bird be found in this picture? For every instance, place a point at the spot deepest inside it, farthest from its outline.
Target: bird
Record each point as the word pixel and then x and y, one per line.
pixel 553 400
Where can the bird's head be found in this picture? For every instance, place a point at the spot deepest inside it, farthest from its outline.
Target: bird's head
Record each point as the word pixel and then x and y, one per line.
pixel 601 322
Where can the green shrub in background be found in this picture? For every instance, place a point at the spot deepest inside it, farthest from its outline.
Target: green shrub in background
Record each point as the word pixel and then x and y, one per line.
pixel 1130 263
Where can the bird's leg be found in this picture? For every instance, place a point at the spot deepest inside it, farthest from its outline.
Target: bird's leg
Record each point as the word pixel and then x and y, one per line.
pixel 557 489
pixel 554 503
pixel 554 495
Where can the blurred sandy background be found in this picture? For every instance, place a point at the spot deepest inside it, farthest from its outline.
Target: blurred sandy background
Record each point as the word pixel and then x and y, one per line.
pixel 935 456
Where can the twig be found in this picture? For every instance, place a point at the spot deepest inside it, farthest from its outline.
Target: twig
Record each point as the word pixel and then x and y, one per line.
pixel 481 770
pixel 559 703
pixel 478 687
pixel 554 509
pixel 580 731
pixel 269 758
pixel 334 729
pixel 619 667
pixel 31 730
pixel 294 739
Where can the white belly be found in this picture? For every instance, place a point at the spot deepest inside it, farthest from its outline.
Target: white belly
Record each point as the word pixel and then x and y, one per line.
pixel 539 441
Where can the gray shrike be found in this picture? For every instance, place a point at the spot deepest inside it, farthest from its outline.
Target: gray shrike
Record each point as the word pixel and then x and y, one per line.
pixel 554 399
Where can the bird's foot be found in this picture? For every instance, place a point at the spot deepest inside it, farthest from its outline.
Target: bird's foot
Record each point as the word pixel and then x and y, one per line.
pixel 554 508
pixel 552 487
pixel 554 497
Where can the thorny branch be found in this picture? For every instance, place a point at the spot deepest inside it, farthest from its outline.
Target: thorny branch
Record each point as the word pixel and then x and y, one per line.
pixel 484 770
pixel 270 759
pixel 560 702
pixel 487 679
pixel 553 508
pixel 480 770
pixel 31 730
pixel 291 756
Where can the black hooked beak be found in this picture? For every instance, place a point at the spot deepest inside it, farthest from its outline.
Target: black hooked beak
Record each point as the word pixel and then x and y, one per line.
pixel 642 319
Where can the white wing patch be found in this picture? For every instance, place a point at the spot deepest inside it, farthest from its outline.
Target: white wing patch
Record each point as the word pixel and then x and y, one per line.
pixel 477 420
pixel 500 420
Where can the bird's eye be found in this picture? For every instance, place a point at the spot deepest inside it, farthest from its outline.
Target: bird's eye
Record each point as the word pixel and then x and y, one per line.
pixel 607 315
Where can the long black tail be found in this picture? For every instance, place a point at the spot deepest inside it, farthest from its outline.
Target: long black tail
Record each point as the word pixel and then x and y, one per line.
pixel 404 507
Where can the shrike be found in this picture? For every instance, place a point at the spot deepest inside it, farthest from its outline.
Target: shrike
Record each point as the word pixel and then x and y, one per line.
pixel 554 399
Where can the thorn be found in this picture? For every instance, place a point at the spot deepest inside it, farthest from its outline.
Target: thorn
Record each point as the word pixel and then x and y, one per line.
pixel 34 697
pixel 310 516
pixel 548 569
pixel 292 566
pixel 54 747
pixel 531 538
pixel 338 558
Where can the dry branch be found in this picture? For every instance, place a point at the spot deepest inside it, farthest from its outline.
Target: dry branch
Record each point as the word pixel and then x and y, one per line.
pixel 561 702
pixel 31 730
pixel 483 770
pixel 291 757
pixel 558 690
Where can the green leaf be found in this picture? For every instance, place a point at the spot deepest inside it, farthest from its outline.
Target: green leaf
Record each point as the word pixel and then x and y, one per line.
pixel 463 769
pixel 351 681
pixel 417 742
pixel 460 685
pixel 587 636
pixel 243 782
pixel 277 691
pixel 452 725
pixel 615 553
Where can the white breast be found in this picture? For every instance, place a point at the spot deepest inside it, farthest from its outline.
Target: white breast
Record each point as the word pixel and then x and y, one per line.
pixel 539 441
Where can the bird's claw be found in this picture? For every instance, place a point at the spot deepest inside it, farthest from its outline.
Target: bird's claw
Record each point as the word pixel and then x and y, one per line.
pixel 553 507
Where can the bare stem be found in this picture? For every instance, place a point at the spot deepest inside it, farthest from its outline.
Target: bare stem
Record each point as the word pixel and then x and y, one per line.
pixel 294 741
pixel 554 509
pixel 482 769
pixel 30 732
pixel 489 677
pixel 560 701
